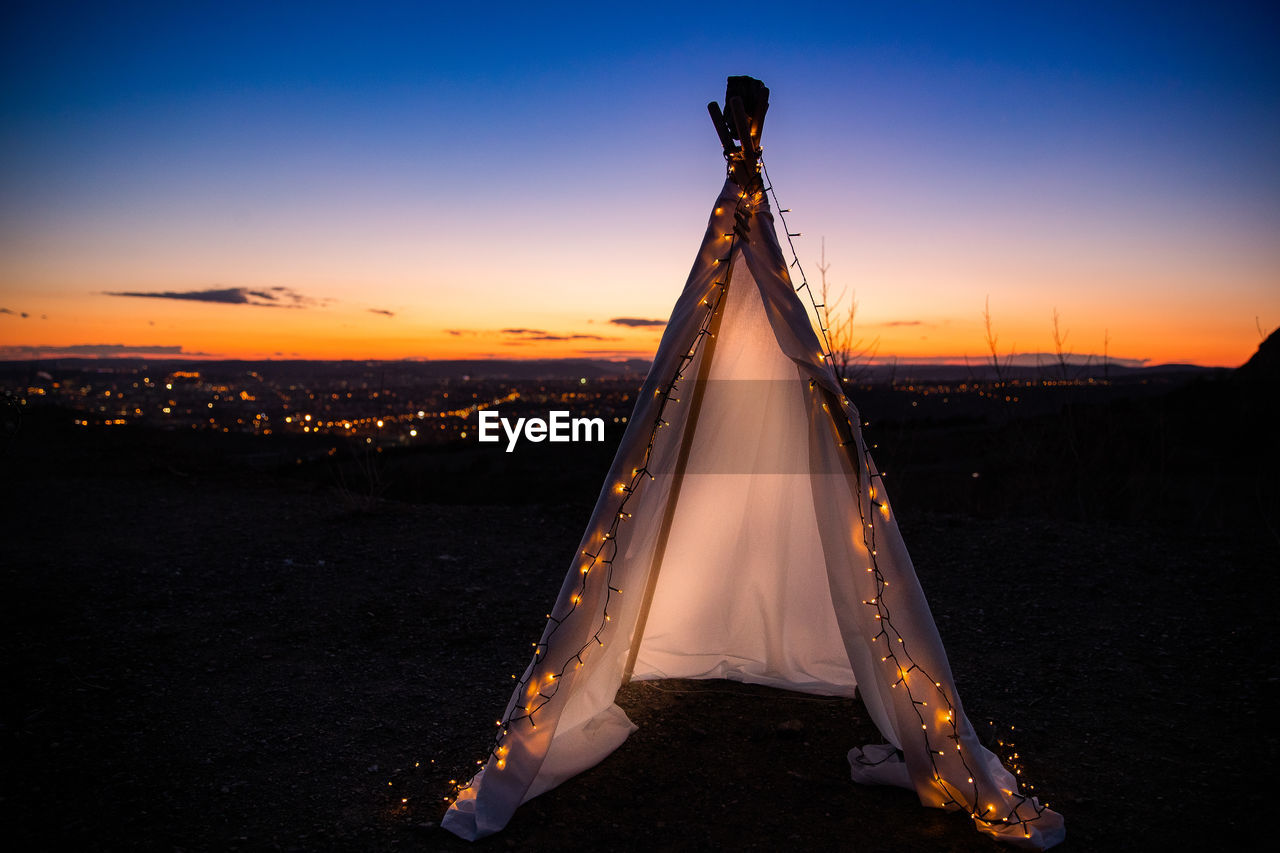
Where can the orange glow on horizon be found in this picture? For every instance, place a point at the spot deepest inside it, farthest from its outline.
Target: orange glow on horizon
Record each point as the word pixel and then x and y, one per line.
pixel 248 197
pixel 921 314
pixel 250 333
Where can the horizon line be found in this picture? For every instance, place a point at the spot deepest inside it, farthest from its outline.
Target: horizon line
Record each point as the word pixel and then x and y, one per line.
pixel 1045 360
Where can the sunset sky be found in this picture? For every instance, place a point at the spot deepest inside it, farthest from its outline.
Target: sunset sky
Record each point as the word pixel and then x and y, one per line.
pixel 340 180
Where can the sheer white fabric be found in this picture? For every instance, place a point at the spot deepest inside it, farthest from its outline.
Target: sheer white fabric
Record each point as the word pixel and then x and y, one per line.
pixel 765 569
pixel 742 590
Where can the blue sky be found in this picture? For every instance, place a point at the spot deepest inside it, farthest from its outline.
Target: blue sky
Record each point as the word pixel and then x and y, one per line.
pixel 1120 163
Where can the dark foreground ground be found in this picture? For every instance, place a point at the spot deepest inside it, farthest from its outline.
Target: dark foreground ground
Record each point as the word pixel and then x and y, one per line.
pixel 202 659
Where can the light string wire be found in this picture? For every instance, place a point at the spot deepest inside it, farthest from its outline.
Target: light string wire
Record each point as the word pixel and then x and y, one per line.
pixel 540 686
pixel 540 683
pixel 897 654
pixel 795 263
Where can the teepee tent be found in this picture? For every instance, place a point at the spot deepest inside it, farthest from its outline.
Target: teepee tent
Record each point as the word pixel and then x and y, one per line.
pixel 744 533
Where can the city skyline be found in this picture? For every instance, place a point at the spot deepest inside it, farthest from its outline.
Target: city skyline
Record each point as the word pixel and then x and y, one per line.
pixel 415 182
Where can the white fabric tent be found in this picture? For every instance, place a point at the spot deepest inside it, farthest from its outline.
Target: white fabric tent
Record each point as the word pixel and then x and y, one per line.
pixel 743 533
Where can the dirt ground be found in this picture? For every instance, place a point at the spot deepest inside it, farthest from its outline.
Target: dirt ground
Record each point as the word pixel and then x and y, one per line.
pixel 198 659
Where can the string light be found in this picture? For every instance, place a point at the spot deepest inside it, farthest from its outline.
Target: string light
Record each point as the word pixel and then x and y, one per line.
pixel 608 548
pixel 898 655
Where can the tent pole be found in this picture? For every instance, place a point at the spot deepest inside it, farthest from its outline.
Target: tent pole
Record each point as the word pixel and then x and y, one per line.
pixel 668 513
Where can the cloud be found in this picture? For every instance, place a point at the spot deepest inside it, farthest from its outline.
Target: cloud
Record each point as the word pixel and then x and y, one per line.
pixel 568 338
pixel 291 296
pixel 636 321
pixel 543 335
pixel 273 297
pixel 11 312
pixel 1077 359
pixel 901 323
pixel 616 353
pixel 382 311
pixel 94 351
pixel 1044 360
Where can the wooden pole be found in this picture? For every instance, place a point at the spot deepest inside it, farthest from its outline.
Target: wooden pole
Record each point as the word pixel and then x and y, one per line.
pixel 722 129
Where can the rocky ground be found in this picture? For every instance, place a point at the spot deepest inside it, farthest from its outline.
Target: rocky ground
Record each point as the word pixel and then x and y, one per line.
pixel 199 658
